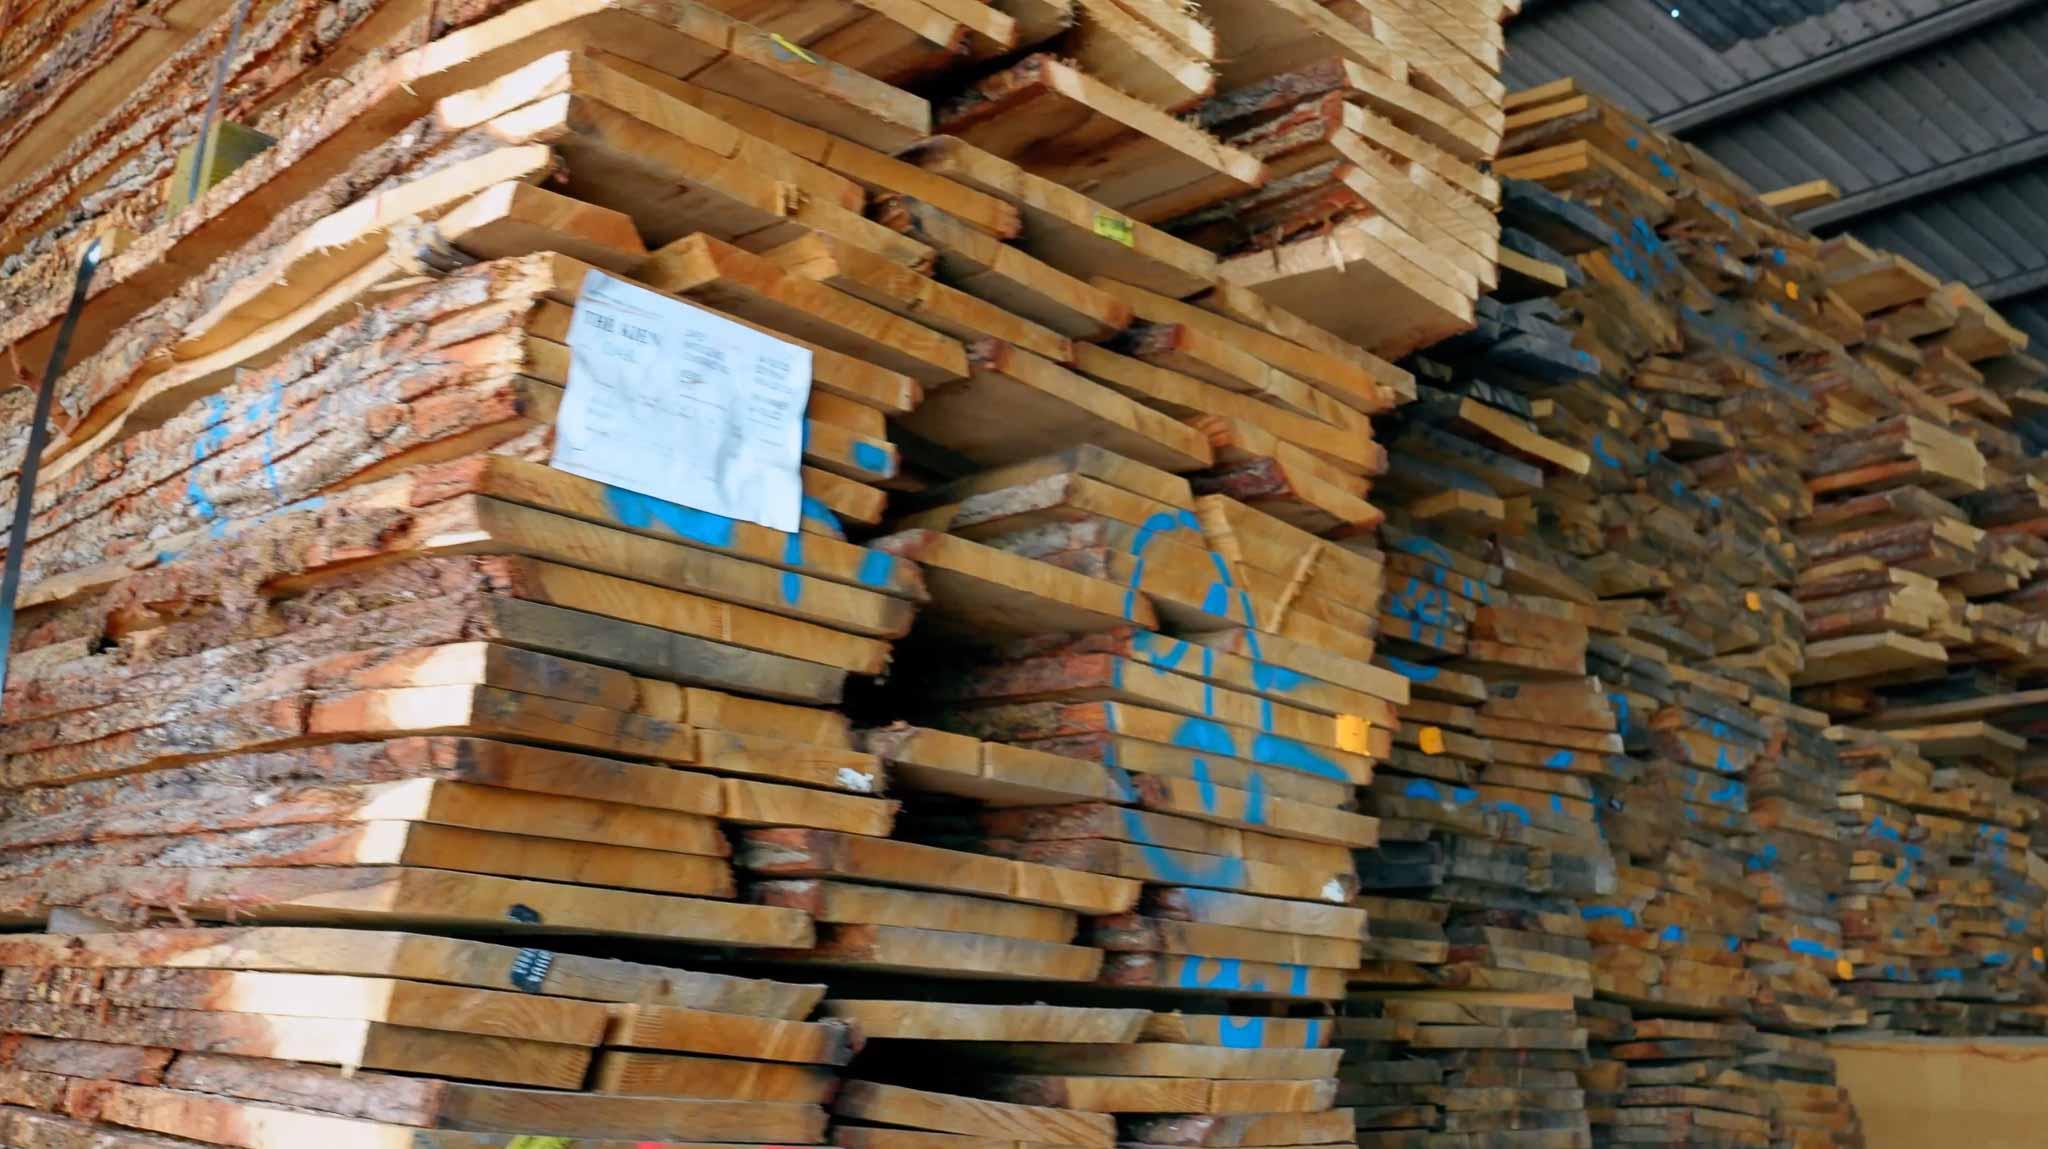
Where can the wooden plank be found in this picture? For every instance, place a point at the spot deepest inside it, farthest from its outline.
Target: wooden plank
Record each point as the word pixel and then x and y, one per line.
pixel 413 957
pixel 466 1108
pixel 1047 408
pixel 948 1021
pixel 902 291
pixel 658 1027
pixel 726 278
pixel 641 1074
pixel 1067 126
pixel 847 903
pixel 982 265
pixel 990 591
pixel 371 1045
pixel 400 895
pixel 1064 227
pixel 940 953
pixel 807 853
pixel 387 1001
pixel 920 1109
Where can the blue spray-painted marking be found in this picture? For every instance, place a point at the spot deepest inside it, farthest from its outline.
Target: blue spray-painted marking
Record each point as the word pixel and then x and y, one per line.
pixel 1601 453
pixel 1420 788
pixel 1413 672
pixel 1315 1033
pixel 1273 750
pixel 1622 914
pixel 1241 1032
pixel 210 440
pixel 637 511
pixel 1620 703
pixel 1948 975
pixel 1297 979
pixel 1733 943
pixel 871 459
pixel 793 555
pixel 1227 975
pixel 1277 679
pixel 1202 734
pixel 1227 873
pixel 1810 948
pixel 1556 805
pixel 1562 760
pixel 1131 591
pixel 1255 798
pixel 1513 808
pixel 877 568
pixel 1146 643
pixel 815 508
pixel 1205 788
pixel 1672 933
pixel 269 407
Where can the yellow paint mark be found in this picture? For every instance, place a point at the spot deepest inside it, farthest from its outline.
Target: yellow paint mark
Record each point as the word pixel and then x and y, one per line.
pixel 1791 290
pixel 1352 732
pixel 1116 227
pixel 783 43
pixel 1432 740
pixel 1844 970
pixel 1753 601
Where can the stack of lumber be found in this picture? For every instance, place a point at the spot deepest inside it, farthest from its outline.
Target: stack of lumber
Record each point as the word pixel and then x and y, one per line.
pixel 277 1035
pixel 322 670
pixel 1922 625
pixel 1701 325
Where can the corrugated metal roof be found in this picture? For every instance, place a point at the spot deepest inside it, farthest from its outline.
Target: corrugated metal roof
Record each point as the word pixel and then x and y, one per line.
pixel 1930 115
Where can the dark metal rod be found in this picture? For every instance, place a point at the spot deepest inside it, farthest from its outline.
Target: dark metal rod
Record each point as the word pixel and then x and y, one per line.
pixel 32 460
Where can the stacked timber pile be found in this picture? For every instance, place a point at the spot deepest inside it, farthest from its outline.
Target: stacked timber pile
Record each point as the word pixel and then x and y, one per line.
pixel 1696 318
pixel 352 749
pixel 1922 625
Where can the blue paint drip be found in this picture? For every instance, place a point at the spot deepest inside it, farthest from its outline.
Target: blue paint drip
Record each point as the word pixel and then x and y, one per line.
pixel 792 555
pixel 1205 788
pixel 1413 672
pixel 1601 453
pixel 872 459
pixel 1204 735
pixel 1228 974
pixel 1277 679
pixel 637 511
pixel 815 508
pixel 877 568
pixel 1273 750
pixel 1225 873
pixel 1241 1032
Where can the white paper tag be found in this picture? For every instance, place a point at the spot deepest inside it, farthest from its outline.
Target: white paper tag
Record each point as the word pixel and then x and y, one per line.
pixel 672 401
